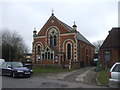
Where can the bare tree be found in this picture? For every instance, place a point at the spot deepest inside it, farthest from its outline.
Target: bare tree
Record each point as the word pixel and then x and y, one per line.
pixel 13 46
pixel 98 44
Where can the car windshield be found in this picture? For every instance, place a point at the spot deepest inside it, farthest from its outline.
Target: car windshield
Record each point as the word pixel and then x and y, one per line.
pixel 116 68
pixel 17 64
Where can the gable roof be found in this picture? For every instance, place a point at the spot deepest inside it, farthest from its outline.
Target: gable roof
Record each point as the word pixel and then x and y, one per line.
pixel 70 29
pixel 79 36
pixel 112 40
pixel 66 26
pixel 82 38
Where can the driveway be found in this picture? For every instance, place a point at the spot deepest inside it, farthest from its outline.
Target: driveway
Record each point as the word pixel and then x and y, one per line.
pixel 60 80
pixel 84 75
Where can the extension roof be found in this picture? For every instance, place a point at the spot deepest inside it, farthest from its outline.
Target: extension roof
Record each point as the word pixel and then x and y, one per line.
pixel 113 40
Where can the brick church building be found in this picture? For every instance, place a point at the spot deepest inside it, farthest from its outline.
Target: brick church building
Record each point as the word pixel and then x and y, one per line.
pixel 59 44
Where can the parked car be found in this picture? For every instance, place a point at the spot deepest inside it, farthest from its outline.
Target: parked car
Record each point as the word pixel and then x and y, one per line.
pixel 114 76
pixel 15 69
pixel 28 65
pixel 94 62
pixel 1 62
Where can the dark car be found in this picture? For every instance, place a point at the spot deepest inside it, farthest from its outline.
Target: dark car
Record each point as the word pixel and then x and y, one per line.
pixel 28 65
pixel 94 62
pixel 15 69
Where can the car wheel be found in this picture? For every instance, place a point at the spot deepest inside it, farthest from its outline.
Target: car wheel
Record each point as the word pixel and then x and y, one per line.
pixel 13 75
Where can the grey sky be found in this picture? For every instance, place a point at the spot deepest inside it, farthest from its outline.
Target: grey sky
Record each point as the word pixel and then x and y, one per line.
pixel 94 19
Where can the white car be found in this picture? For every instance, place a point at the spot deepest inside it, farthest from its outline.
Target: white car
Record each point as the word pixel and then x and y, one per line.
pixel 1 62
pixel 114 76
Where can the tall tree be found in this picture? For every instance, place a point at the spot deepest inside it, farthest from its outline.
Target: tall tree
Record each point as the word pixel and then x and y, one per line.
pixel 13 46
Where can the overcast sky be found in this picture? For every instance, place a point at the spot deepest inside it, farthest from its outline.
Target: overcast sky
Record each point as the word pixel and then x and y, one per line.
pixel 94 18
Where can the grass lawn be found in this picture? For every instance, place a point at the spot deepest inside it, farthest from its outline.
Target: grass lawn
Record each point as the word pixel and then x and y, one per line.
pixel 103 77
pixel 48 70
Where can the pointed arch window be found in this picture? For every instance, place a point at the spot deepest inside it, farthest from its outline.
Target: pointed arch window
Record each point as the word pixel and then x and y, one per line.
pixel 68 51
pixel 43 56
pixel 51 55
pixel 51 40
pixel 55 42
pixel 38 49
pixel 48 55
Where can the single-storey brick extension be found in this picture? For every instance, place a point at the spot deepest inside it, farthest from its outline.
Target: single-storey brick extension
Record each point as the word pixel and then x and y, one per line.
pixel 110 49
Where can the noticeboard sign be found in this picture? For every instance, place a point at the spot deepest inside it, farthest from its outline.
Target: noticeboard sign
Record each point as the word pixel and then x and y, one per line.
pixel 56 58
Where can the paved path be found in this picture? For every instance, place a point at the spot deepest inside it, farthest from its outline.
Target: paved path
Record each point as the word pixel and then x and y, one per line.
pixel 83 75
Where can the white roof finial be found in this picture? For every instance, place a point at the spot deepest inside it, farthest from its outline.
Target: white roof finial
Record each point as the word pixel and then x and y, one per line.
pixel 52 11
pixel 74 22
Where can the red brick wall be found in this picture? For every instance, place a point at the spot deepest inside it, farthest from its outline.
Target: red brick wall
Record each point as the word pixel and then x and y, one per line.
pixel 86 52
pixel 55 23
pixel 114 57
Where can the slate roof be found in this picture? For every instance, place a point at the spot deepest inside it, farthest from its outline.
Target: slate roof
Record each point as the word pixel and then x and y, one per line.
pixel 65 25
pixel 113 40
pixel 82 38
pixel 79 36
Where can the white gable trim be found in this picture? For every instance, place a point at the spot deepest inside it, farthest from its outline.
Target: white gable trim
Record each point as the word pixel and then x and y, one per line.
pixel 68 41
pixel 39 44
pixel 52 27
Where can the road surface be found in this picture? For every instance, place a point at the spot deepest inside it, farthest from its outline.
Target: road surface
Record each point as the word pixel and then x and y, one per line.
pixel 72 79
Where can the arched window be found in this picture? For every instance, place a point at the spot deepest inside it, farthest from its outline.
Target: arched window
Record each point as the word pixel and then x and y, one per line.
pixel 68 51
pixel 53 37
pixel 48 55
pixel 55 42
pixel 43 56
pixel 51 55
pixel 51 40
pixel 38 50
